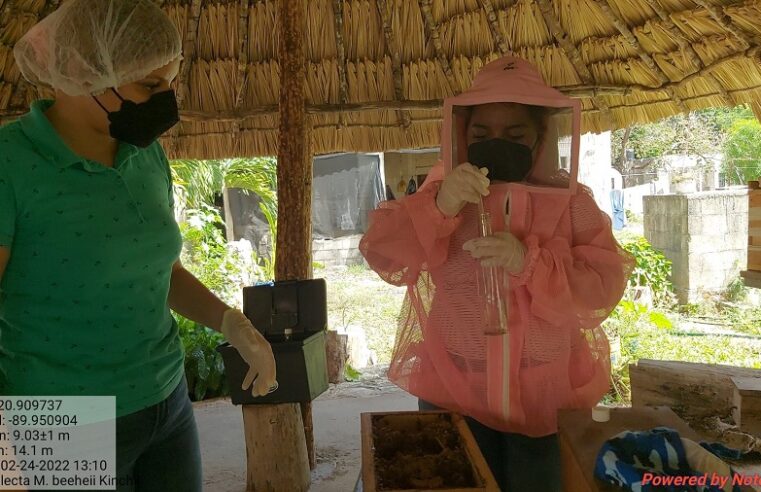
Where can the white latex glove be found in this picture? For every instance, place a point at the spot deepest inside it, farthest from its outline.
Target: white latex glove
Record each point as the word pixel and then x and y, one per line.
pixel 499 250
pixel 465 184
pixel 254 349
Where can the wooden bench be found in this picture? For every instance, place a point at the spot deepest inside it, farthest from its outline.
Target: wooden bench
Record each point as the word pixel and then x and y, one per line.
pixel 581 439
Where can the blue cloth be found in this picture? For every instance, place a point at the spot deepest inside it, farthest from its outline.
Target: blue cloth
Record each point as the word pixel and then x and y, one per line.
pixel 617 205
pixel 626 458
pixel 726 453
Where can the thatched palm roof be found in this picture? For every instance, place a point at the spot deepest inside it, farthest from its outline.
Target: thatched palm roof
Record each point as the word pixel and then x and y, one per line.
pixel 378 69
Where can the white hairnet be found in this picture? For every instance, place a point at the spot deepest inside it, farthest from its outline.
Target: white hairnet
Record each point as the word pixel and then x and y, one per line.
pixel 88 46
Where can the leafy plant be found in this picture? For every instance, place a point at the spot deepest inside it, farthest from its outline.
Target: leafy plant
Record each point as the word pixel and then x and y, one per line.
pixel 743 151
pixel 203 180
pixel 625 326
pixel 736 291
pixel 697 133
pixel 652 269
pixel 351 374
pixel 632 218
pixel 224 268
pixel 204 368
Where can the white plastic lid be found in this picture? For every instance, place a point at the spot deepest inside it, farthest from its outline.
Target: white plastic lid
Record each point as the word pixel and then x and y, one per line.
pixel 600 414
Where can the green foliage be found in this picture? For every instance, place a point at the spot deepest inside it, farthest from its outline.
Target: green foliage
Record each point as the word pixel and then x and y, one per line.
pixel 743 319
pixel 632 218
pixel 736 291
pixel 201 181
pixel 698 133
pixel 624 328
pixel 743 151
pixel 267 264
pixel 351 374
pixel 358 297
pixel 652 269
pixel 222 267
pixel 204 367
pixel 357 269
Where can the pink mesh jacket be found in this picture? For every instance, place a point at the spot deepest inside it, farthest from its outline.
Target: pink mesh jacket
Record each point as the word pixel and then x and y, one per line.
pixel 555 354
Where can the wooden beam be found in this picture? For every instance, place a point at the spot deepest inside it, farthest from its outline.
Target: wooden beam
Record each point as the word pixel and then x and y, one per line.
pixel 493 19
pixel 433 34
pixel 392 48
pixel 630 38
pixel 684 99
pixel 338 28
pixel 268 110
pixel 183 78
pixel 557 31
pixel 350 126
pixel 725 21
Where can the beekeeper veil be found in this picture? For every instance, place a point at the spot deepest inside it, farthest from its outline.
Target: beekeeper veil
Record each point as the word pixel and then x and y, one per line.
pixel 88 46
pixel 550 163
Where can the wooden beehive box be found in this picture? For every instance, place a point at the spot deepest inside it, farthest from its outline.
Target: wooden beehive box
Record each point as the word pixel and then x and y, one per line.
pixel 421 451
pixel 746 410
pixel 754 229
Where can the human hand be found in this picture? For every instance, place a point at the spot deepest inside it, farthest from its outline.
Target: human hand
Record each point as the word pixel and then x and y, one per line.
pixel 254 349
pixel 465 184
pixel 499 250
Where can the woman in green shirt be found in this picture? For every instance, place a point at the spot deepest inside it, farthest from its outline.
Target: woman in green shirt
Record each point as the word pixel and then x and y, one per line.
pixel 89 247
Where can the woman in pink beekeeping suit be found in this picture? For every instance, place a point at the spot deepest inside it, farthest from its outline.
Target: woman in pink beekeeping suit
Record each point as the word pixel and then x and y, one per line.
pixel 559 268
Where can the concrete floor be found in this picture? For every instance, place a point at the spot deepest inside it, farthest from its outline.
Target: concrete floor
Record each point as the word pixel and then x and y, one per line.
pixel 336 427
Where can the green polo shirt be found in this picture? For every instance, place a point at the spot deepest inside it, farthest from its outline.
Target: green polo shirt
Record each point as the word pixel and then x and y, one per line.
pixel 83 301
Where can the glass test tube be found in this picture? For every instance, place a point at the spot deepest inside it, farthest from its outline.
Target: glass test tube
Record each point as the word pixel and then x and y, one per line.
pixel 490 284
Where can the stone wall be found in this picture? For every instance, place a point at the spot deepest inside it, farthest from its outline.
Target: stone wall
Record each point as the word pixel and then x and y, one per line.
pixel 705 235
pixel 342 251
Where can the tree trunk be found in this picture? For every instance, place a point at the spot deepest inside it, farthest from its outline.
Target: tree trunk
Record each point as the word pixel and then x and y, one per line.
pixel 277 453
pixel 280 460
pixel 621 164
pixel 293 256
pixel 337 355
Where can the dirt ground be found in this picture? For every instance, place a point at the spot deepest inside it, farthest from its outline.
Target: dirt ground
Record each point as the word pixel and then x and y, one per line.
pixel 337 434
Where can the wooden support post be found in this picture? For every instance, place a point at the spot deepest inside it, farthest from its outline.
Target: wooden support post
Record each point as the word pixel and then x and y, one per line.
pixel 280 442
pixel 275 448
pixel 294 171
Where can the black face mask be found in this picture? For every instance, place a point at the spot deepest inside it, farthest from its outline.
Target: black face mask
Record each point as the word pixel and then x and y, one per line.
pixel 141 124
pixel 505 160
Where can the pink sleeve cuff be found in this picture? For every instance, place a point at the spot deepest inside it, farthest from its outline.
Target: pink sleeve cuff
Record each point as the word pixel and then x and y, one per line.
pixel 529 261
pixel 422 207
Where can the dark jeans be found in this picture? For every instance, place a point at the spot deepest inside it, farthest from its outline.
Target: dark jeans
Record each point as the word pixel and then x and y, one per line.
pixel 519 463
pixel 157 448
